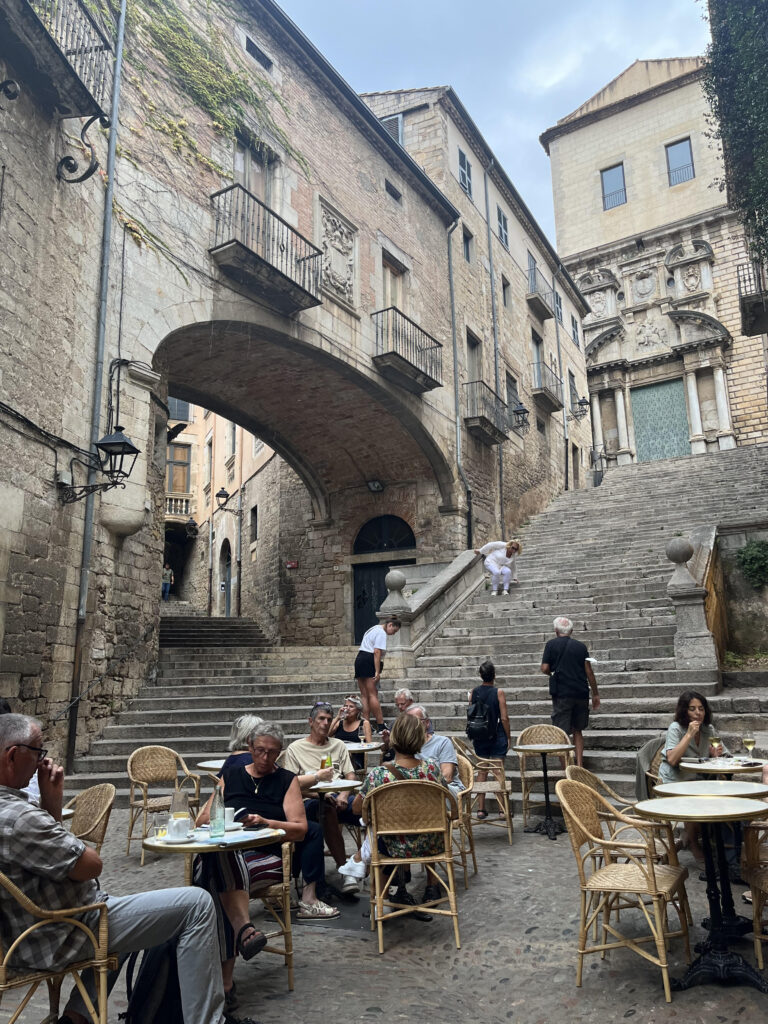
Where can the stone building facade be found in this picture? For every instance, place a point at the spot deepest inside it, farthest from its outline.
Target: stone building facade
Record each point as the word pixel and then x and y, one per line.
pixel 645 230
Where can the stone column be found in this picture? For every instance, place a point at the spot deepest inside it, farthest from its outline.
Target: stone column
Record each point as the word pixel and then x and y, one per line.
pixel 694 644
pixel 399 650
pixel 725 435
pixel 697 439
pixel 597 422
pixel 624 456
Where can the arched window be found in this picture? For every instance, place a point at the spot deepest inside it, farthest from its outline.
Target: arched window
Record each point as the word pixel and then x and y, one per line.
pixel 384 533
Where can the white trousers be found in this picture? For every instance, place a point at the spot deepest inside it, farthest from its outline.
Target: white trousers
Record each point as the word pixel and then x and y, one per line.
pixel 504 574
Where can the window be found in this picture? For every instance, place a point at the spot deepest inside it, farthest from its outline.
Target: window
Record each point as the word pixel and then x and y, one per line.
pixel 506 293
pixel 231 439
pixel 258 444
pixel 394 125
pixel 178 410
pixel 503 227
pixel 537 350
pixel 513 398
pixel 257 53
pixel 254 524
pixel 394 283
pixel 614 192
pixel 572 392
pixel 532 272
pixel 679 162
pixel 178 461
pixel 466 242
pixel 465 173
pixel 559 307
pixel 396 194
pixel 575 330
pixel 474 357
pixel 250 169
pixel 208 461
pixel 541 426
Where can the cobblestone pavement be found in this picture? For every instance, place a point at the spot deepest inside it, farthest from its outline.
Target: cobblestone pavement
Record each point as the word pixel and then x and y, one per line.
pixel 516 964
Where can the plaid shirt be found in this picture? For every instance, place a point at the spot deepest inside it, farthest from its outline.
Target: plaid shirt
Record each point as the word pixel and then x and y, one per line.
pixel 36 854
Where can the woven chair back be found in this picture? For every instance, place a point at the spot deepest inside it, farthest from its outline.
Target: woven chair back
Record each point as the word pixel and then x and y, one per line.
pixel 542 734
pixel 153 765
pixel 466 773
pixel 413 805
pixel 92 809
pixel 653 767
pixel 462 747
pixel 588 778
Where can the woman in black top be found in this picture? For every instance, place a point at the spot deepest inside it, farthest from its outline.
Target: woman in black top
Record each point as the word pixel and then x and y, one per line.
pixel 497 746
pixel 271 798
pixel 347 724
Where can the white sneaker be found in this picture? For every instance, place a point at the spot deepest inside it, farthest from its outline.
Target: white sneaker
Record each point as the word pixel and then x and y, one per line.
pixel 494 593
pixel 505 593
pixel 352 869
pixel 350 885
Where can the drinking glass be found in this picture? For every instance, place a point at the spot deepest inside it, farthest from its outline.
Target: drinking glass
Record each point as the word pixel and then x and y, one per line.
pixel 748 742
pixel 160 826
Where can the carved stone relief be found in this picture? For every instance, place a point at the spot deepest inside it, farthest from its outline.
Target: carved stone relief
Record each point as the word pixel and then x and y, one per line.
pixel 692 278
pixel 650 335
pixel 597 302
pixel 644 285
pixel 338 245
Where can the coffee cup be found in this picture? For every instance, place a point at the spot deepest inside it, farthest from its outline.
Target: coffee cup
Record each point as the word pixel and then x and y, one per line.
pixel 229 815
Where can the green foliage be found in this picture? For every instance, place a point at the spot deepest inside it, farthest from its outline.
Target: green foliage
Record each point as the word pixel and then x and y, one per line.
pixel 736 85
pixel 733 660
pixel 753 561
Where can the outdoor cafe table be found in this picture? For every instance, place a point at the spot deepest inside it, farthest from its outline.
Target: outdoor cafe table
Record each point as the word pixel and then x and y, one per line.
pixel 548 826
pixel 716 962
pixel 722 765
pixel 712 787
pixel 213 767
pixel 364 748
pixel 201 842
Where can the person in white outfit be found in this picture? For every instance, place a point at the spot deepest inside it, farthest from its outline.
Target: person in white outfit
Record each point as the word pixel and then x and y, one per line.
pixel 501 562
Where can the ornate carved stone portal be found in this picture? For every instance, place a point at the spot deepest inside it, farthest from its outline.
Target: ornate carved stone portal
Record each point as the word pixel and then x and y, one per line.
pixel 339 242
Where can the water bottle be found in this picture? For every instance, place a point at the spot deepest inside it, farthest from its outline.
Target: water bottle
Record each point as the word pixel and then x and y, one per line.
pixel 218 824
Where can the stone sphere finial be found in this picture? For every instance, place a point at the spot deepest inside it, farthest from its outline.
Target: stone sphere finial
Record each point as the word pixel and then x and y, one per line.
pixel 394 580
pixel 679 550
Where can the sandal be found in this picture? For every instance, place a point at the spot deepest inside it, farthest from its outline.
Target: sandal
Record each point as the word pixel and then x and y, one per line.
pixel 248 948
pixel 747 896
pixel 317 911
pixel 482 815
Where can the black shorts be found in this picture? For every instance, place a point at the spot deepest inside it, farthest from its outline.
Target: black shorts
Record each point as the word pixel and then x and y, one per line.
pixel 570 713
pixel 365 666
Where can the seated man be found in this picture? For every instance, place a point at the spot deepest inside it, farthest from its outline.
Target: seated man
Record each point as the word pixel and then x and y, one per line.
pixel 56 871
pixel 306 758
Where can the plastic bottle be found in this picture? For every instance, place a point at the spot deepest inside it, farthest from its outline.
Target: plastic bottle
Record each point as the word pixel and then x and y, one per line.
pixel 218 825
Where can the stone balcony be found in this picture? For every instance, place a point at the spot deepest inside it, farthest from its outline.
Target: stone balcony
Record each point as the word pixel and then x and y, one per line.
pixel 753 298
pixel 405 353
pixel 540 298
pixel 177 506
pixel 547 387
pixel 262 252
pixel 486 413
pixel 59 52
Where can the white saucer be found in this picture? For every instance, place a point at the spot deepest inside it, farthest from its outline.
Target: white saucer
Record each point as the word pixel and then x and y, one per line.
pixel 233 826
pixel 175 840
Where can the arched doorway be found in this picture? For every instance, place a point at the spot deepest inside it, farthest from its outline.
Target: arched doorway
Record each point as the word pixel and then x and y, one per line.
pixel 225 576
pixel 384 533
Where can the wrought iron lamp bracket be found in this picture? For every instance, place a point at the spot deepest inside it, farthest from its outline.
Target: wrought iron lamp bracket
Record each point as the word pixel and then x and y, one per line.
pixel 10 89
pixel 69 165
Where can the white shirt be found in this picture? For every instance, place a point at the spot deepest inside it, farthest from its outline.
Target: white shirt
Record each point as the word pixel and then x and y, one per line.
pixel 496 555
pixel 375 637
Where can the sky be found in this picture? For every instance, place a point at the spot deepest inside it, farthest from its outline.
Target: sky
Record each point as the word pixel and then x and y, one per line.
pixel 518 67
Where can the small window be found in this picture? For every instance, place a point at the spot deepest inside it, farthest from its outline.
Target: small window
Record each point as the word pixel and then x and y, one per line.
pixel 575 330
pixel 572 392
pixel 532 272
pixel 177 469
pixel 258 444
pixel 559 307
pixel 506 292
pixel 465 173
pixel 503 227
pixel 513 398
pixel 231 439
pixel 394 125
pixel 178 410
pixel 394 283
pixel 474 357
pixel 254 524
pixel 466 242
pixel 206 413
pixel 251 169
pixel 614 192
pixel 257 53
pixel 679 162
pixel 541 426
pixel 208 461
pixel 396 194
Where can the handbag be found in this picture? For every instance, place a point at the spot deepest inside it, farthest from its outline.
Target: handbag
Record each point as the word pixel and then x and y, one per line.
pixel 553 673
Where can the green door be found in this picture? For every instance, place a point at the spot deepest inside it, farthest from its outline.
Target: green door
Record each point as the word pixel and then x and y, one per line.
pixel 661 421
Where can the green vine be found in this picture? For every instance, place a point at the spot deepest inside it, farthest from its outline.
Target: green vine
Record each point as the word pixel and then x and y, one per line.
pixel 753 562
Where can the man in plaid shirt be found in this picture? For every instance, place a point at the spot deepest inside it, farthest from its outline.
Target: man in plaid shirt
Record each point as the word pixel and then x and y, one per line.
pixel 56 871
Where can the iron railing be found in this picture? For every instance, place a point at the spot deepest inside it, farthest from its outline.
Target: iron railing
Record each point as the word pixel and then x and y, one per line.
pixel 483 402
pixel 677 175
pixel 617 198
pixel 751 279
pixel 537 283
pixel 177 504
pixel 545 378
pixel 82 43
pixel 395 332
pixel 241 217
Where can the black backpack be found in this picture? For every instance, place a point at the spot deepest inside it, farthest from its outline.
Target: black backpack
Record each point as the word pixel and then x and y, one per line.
pixel 480 727
pixel 155 998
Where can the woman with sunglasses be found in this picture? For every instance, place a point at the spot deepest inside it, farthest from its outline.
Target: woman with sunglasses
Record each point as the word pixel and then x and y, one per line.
pixel 373 647
pixel 347 725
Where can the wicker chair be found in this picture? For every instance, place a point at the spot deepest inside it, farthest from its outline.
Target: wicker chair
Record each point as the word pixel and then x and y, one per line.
pixel 153 766
pixel 588 778
pixel 528 776
pixel 100 962
pixel 754 871
pixel 92 810
pixel 277 902
pixel 462 824
pixel 616 874
pixel 652 777
pixel 411 807
pixel 496 785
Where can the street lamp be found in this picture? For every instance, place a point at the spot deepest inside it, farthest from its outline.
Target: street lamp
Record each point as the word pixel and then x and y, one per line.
pixel 520 423
pixel 579 410
pixel 115 457
pixel 222 497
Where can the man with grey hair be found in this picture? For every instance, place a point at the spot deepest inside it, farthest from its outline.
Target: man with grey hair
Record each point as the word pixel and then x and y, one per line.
pixel 403 699
pixel 567 663
pixel 56 870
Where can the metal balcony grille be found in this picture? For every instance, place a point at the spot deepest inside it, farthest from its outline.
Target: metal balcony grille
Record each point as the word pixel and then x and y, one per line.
pixel 617 198
pixel 537 284
pixel 545 379
pixel 82 43
pixel 751 279
pixel 680 174
pixel 395 332
pixel 483 403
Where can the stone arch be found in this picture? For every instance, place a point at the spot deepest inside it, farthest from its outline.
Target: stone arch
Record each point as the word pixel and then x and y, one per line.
pixel 383 533
pixel 602 339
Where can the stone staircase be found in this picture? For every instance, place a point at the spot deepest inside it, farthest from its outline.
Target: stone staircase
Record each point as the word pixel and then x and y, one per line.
pixel 596 556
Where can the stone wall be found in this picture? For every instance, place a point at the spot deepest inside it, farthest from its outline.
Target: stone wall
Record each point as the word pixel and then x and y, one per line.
pixel 747 606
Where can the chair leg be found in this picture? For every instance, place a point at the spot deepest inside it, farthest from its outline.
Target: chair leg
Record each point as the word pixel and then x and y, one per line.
pixel 582 938
pixel 143 832
pixel 134 815
pixel 452 901
pixel 661 946
pixel 471 835
pixel 757 923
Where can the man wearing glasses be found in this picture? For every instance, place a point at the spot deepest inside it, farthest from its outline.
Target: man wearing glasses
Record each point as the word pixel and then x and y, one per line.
pixel 56 871
pixel 308 758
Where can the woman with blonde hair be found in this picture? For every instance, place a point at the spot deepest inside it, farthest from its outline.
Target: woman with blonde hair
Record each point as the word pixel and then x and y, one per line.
pixel 501 562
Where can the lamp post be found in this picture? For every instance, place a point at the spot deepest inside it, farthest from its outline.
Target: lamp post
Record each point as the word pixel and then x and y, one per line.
pixel 520 421
pixel 115 457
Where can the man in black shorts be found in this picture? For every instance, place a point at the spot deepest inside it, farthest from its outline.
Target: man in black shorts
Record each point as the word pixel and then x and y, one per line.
pixel 566 662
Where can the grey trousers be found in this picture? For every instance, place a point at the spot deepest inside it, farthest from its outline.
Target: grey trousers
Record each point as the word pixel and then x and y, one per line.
pixel 150 918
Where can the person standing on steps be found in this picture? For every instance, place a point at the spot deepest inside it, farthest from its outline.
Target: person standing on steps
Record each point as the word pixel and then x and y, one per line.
pixel 373 647
pixel 567 663
pixel 501 562
pixel 168 581
pixel 497 744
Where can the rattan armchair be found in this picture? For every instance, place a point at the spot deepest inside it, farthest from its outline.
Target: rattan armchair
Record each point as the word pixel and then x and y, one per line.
pixel 156 766
pixel 616 873
pixel 277 902
pixel 92 810
pixel 495 785
pixel 588 778
pixel 412 807
pixel 754 871
pixel 100 962
pixel 529 776
pixel 462 824
pixel 652 777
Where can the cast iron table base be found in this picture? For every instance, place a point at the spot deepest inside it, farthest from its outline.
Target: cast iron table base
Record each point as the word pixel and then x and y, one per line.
pixel 548 827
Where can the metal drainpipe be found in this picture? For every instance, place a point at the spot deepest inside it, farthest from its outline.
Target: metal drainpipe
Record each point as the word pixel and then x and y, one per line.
pixel 456 399
pixel 98 386
pixel 495 323
pixel 562 380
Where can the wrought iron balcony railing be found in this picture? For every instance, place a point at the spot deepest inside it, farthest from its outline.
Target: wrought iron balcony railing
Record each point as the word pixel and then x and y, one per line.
pixel 540 296
pixel 486 412
pixel 241 218
pixel 397 334
pixel 547 385
pixel 617 198
pixel 753 298
pixel 82 43
pixel 677 175
pixel 177 504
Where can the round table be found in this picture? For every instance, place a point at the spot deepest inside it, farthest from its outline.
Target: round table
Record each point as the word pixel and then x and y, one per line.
pixel 240 839
pixel 548 827
pixel 364 748
pixel 323 789
pixel 716 962
pixel 723 765
pixel 712 787
pixel 212 766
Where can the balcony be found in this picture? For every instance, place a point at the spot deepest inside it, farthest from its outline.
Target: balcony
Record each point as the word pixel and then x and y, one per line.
pixel 547 387
pixel 677 175
pixel 60 53
pixel 405 354
pixel 540 297
pixel 486 415
pixel 263 252
pixel 177 506
pixel 753 298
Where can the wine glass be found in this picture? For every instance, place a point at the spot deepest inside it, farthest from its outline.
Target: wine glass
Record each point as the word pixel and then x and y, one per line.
pixel 748 742
pixel 714 741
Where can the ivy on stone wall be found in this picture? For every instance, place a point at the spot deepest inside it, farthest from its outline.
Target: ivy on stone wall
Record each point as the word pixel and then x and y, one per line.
pixel 736 85
pixel 753 562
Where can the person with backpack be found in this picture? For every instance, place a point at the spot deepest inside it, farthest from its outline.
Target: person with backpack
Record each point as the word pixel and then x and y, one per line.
pixel 567 663
pixel 487 723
